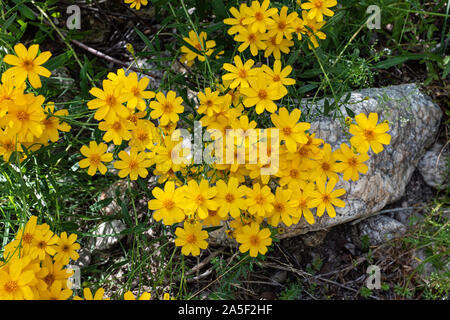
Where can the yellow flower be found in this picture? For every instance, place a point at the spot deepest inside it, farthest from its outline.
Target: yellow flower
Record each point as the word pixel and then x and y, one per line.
pixel 324 198
pixel 261 94
pixel 279 76
pixel 260 200
pixel 326 165
pixel 142 135
pixel 237 22
pixel 166 108
pixel 254 240
pixel 8 145
pixel 56 292
pixel 315 30
pixel 303 208
pixel 130 296
pixel 168 204
pixel 109 102
pixel 191 238
pixel 351 163
pixel 25 120
pixel 15 280
pixel 291 131
pixel 198 43
pixel 53 124
pixel 136 90
pixel 283 25
pixel 230 198
pixel 43 243
pixel 55 272
pixel 116 131
pixel 137 3
pixel 240 73
pixel 259 16
pixel 133 164
pixel 318 8
pixel 27 64
pixel 66 248
pixel 99 295
pixel 213 219
pixel 95 156
pixel 283 208
pixel 200 198
pixel 210 102
pixel 368 134
pixel 166 296
pixel 253 39
pixel 272 47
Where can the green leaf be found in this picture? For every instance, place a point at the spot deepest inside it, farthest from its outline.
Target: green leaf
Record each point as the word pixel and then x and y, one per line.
pixel 58 61
pixel 8 22
pixel 145 39
pixel 306 88
pixel 26 12
pixel 219 9
pixel 403 58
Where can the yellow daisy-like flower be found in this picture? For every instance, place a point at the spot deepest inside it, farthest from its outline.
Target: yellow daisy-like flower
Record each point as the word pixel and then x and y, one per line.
pixel 53 124
pixel 261 94
pixel 130 296
pixel 351 163
pixel 191 238
pixel 260 200
pixel 279 76
pixel 142 135
pixel 27 64
pixel 240 73
pixel 137 3
pixel 136 90
pixel 325 166
pixel 99 295
pixel 133 164
pixel 368 134
pixel 95 156
pixel 116 131
pixel 253 39
pixel 319 8
pixel 283 25
pixel 325 198
pixel 283 208
pixel 56 292
pixel 43 243
pixel 272 47
pixel 253 239
pixel 66 248
pixel 168 203
pixel 166 108
pixel 15 280
pixel 198 43
pixel 313 32
pixel 200 198
pixel 237 22
pixel 303 208
pixel 259 16
pixel 291 131
pixel 109 101
pixel 230 198
pixel 8 145
pixel 25 120
pixel 210 102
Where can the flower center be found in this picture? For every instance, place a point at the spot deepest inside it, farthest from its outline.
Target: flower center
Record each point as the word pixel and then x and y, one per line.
pixel 252 37
pixel 49 279
pixel 27 238
pixel 326 198
pixel 254 240
pixel 198 46
pixel 369 134
pixel 42 245
pixel 229 197
pixel 199 199
pixel 279 207
pixel 167 107
pixel 259 199
pixel 352 162
pixel 209 103
pixel 169 204
pixel 243 73
pixel 294 173
pixel 23 115
pixel 287 131
pixel 28 65
pixel 133 165
pixel 191 238
pixel 276 78
pixel 11 286
pixel 95 159
pixel 281 25
pixel 259 16
pixel 111 100
pixel 262 94
pixel 136 92
pixel 318 3
pixel 325 166
pixel 116 126
pixel 302 203
pixel 142 136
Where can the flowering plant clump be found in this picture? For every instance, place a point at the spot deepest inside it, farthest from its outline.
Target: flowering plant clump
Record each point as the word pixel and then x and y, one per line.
pixel 236 155
pixel 289 173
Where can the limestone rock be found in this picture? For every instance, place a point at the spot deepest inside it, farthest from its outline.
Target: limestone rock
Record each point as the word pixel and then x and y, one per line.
pixel 413 119
pixel 380 229
pixel 433 168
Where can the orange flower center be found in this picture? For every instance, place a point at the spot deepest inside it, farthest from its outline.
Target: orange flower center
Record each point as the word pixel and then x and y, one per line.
pixel 95 159
pixel 282 25
pixel 9 146
pixel 65 248
pixel 287 131
pixel 27 238
pixel 111 100
pixel 243 73
pixel 133 165
pixel 136 92
pixel 294 173
pixel 279 207
pixel 167 107
pixel 302 203
pixel 191 238
pixel 318 3
pixel 352 162
pixel 276 78
pixel 326 198
pixel 369 134
pixel 325 166
pixel 116 126
pixel 259 16
pixel 262 94
pixel 23 116
pixel 49 279
pixel 199 199
pixel 254 240
pixel 11 286
pixel 198 46
pixel 209 103
pixel 259 199
pixel 252 37
pixel 169 204
pixel 142 136
pixel 28 64
pixel 42 245
pixel 229 197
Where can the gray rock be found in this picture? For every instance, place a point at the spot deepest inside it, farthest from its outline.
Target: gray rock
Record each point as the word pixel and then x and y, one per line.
pixel 107 234
pixel 413 119
pixel 84 260
pixel 314 239
pixel 380 229
pixel 433 167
